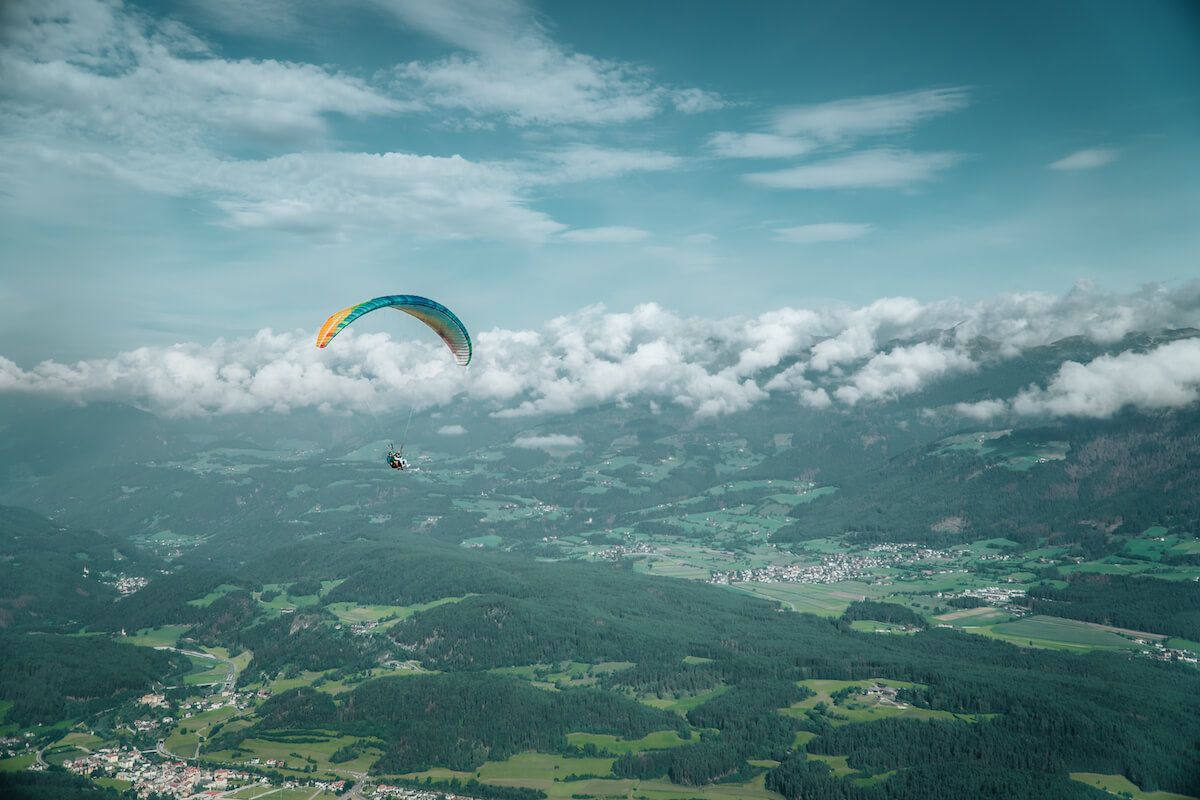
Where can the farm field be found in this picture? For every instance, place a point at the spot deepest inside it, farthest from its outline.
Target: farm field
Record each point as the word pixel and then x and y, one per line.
pixel 826 600
pixel 1056 633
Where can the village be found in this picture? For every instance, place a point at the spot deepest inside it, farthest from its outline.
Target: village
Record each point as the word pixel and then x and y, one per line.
pixel 837 567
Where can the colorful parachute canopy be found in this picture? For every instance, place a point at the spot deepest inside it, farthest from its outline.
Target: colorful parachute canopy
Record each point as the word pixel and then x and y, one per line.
pixel 432 313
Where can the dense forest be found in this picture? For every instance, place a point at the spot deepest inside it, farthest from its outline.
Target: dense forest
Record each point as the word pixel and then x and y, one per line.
pixel 49 678
pixel 53 784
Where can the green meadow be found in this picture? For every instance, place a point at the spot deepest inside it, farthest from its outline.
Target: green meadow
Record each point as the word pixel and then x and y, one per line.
pixel 658 740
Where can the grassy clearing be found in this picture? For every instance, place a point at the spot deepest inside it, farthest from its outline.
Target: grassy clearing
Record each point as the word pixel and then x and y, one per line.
pixel 682 705
pixel 837 764
pixel 355 613
pixel 1122 786
pixel 166 636
pixel 351 681
pixel 113 783
pixel 563 674
pixel 16 763
pixel 282 684
pixel 872 626
pixel 658 740
pixel 862 708
pixel 213 596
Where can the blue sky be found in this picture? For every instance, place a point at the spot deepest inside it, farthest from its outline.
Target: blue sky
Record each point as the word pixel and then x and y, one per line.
pixel 192 170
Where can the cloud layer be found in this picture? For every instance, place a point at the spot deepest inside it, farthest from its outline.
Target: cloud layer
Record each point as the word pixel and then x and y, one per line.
pixel 1165 377
pixel 828 357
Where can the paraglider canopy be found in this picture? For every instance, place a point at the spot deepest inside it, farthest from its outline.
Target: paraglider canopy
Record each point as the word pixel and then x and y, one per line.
pixel 441 319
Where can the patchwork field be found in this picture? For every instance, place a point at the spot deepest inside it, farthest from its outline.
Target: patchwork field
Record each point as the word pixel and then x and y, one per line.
pixel 547 772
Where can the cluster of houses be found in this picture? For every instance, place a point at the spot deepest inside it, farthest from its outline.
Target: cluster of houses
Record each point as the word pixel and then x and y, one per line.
pixel 174 778
pixel 15 745
pixel 128 584
pixel 834 567
pixel 992 595
pixel 125 584
pixel 1160 652
pixel 617 552
pixel 383 790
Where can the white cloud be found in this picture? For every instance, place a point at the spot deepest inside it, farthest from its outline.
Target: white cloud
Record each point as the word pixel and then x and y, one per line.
pixel 424 196
pixel 548 442
pixel 512 68
pixel 901 371
pixel 615 234
pixel 696 101
pixel 822 232
pixel 97 88
pixel 728 144
pixel 864 116
pixel 1086 159
pixel 881 168
pixel 452 430
pixel 822 357
pixel 588 162
pixel 983 410
pixel 1165 377
pixel 91 67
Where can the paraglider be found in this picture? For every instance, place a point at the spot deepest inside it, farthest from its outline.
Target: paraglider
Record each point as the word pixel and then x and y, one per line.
pixel 396 459
pixel 441 319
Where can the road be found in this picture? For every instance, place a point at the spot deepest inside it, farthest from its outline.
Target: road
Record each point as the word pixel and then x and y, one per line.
pixel 360 782
pixel 231 668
